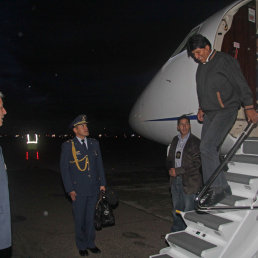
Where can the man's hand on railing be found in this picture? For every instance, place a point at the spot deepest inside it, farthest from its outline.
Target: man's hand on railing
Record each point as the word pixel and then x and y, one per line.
pixel 251 115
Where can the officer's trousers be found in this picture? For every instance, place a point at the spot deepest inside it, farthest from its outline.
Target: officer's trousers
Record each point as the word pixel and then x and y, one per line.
pixel 83 212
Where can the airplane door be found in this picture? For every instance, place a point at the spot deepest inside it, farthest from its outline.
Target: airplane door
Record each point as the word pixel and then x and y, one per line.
pixel 240 42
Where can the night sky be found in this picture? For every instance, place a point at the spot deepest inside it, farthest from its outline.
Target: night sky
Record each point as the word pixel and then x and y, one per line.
pixel 62 58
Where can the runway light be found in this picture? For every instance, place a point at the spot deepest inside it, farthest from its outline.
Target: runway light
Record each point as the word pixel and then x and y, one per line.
pixel 32 142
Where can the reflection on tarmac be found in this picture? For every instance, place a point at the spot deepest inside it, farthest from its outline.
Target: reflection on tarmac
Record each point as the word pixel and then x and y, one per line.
pixel 42 222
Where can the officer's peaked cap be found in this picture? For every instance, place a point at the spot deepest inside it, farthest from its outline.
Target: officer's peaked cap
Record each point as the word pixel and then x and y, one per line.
pixel 79 120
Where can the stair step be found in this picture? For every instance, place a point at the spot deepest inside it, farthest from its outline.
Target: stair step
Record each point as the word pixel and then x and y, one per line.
pixel 208 220
pixel 239 178
pixel 250 145
pixel 190 243
pixel 161 256
pixel 230 200
pixel 243 168
pixel 245 159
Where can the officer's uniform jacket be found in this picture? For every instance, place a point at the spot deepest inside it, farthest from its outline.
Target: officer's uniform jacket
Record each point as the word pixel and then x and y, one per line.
pixel 5 218
pixel 86 182
pixel 190 169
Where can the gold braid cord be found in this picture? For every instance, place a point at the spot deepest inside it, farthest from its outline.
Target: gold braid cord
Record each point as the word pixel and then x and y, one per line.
pixel 76 161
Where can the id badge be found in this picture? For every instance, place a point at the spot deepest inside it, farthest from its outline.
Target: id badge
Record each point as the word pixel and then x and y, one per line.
pixel 178 154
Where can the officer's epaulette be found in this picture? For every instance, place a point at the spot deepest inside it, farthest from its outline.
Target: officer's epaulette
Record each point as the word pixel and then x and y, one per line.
pixel 92 139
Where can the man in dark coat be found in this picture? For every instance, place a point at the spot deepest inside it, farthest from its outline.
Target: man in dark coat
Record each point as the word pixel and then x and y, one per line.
pixel 221 89
pixel 83 177
pixel 184 166
pixel 5 217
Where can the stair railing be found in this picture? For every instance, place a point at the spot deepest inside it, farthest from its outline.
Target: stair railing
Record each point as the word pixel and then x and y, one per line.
pixel 219 170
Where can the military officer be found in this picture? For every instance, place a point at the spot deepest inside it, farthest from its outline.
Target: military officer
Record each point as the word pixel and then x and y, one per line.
pixel 5 217
pixel 83 177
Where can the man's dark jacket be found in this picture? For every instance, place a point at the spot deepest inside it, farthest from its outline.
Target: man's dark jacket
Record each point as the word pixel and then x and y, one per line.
pixel 190 169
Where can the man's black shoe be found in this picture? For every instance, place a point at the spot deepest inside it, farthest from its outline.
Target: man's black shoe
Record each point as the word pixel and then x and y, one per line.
pixel 227 190
pixel 95 250
pixel 215 195
pixel 83 253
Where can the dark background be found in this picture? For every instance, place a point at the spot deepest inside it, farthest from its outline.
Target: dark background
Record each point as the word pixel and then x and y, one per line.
pixel 62 58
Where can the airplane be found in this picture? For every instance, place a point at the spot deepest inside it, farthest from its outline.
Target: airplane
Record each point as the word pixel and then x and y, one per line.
pixel 230 228
pixel 172 92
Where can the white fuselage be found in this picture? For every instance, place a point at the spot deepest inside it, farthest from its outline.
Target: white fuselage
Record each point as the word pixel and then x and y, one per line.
pixel 172 92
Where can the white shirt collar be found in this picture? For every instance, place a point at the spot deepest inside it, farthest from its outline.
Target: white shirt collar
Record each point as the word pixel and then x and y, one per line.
pixel 85 140
pixel 208 58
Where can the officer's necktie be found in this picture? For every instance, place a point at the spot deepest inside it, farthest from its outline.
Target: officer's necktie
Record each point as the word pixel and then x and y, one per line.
pixel 84 145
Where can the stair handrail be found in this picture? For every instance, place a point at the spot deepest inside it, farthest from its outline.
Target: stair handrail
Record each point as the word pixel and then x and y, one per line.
pixel 219 170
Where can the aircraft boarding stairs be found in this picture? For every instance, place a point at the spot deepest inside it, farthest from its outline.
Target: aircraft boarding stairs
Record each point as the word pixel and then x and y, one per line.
pixel 230 230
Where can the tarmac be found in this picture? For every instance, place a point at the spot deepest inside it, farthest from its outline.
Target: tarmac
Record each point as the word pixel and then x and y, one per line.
pixel 42 222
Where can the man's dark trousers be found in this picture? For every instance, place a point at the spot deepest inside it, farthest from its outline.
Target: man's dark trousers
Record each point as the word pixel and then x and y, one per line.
pixel 216 126
pixel 182 202
pixel 84 212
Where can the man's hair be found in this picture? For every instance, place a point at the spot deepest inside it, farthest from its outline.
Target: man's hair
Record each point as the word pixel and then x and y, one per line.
pixel 1 95
pixel 183 117
pixel 196 41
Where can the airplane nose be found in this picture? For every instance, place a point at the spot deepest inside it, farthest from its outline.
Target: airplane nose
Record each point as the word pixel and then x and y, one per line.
pixel 135 117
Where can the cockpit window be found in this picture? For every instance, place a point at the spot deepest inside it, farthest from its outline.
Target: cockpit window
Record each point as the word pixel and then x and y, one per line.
pixel 182 46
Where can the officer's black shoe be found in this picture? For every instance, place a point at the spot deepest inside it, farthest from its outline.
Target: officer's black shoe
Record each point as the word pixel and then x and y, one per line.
pixel 83 253
pixel 95 250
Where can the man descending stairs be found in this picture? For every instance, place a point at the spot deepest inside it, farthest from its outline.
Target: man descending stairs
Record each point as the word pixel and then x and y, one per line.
pixel 224 232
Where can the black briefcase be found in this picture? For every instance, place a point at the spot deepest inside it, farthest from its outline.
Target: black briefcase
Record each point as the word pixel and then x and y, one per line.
pixel 104 216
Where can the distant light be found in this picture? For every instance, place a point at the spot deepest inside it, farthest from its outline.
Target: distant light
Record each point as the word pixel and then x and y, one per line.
pixel 29 86
pixel 100 135
pixel 27 155
pixel 20 34
pixel 37 155
pixel 56 74
pixel 139 136
pixel 116 136
pixel 66 135
pixel 17 135
pixel 132 135
pixel 53 135
pixel 32 142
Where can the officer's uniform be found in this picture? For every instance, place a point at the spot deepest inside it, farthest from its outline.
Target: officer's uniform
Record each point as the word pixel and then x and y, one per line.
pixel 82 171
